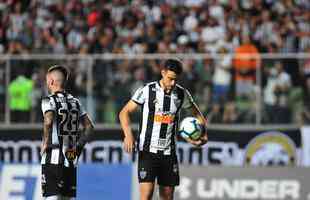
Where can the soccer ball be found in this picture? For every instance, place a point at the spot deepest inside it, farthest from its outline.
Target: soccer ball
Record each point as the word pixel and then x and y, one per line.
pixel 191 128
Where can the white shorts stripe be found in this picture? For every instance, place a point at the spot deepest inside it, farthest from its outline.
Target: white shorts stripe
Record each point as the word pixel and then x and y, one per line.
pixel 55 156
pixel 43 158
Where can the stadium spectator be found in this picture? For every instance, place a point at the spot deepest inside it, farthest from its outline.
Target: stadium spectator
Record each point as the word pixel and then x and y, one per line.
pixel 222 76
pixel 231 114
pixel 267 31
pixel 121 84
pixel 306 103
pixel 212 34
pixel 287 31
pixel 215 116
pixel 303 27
pixel 276 94
pixel 2 91
pixel 190 76
pixel 204 84
pixel 20 90
pixel 246 61
pixel 305 74
pixel 36 95
pixel 305 67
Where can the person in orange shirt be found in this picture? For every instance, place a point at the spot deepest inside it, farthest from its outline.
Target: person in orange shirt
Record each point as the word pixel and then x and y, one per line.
pixel 246 62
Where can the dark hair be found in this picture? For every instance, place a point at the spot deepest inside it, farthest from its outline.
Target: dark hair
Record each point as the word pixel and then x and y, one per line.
pixel 174 65
pixel 61 69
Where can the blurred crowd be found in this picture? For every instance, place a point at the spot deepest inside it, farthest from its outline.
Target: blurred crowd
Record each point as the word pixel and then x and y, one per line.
pixel 225 86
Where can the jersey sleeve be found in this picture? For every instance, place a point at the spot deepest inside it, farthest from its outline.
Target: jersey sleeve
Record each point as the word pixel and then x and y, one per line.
pixel 139 96
pixel 82 109
pixel 47 105
pixel 188 100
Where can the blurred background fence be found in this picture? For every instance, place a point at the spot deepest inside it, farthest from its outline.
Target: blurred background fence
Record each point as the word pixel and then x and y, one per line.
pixel 250 89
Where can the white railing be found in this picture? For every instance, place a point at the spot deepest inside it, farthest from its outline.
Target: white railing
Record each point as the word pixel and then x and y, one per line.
pixel 146 56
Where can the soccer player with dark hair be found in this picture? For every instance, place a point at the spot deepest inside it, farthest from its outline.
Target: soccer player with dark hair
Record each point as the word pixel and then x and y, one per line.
pixel 161 102
pixel 61 143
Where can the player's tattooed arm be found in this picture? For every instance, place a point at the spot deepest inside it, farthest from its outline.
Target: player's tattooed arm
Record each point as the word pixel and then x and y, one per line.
pixel 47 129
pixel 88 128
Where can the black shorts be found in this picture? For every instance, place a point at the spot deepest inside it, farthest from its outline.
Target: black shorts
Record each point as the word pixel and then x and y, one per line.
pixel 58 180
pixel 163 167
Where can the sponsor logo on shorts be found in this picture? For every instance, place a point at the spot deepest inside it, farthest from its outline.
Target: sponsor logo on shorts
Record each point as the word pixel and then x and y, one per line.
pixel 175 168
pixel 142 173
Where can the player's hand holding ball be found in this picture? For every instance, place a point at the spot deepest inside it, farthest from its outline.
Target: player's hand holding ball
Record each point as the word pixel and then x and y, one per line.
pixel 204 137
pixel 193 131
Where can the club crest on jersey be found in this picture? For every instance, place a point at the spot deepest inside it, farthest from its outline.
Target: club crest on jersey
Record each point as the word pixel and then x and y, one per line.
pixel 70 154
pixel 60 184
pixel 142 174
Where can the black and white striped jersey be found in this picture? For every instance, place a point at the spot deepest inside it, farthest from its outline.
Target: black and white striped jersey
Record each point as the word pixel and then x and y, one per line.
pixel 160 113
pixel 67 114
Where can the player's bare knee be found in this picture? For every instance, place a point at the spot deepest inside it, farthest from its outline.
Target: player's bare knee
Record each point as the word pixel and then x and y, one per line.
pixel 166 193
pixel 146 195
pixel 166 196
pixel 146 192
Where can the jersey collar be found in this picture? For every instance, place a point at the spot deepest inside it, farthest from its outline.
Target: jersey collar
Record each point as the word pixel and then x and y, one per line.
pixel 159 86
